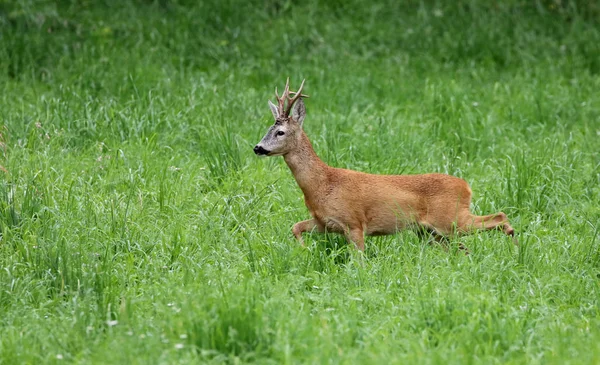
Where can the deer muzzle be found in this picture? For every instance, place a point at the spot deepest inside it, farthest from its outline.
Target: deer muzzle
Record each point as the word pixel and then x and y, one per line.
pixel 259 150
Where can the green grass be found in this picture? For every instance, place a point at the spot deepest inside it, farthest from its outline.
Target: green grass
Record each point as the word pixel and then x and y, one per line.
pixel 138 227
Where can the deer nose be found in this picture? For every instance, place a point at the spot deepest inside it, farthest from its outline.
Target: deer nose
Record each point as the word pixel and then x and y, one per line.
pixel 259 150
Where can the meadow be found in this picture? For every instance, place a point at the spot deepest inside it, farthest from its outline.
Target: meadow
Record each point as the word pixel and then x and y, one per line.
pixel 138 227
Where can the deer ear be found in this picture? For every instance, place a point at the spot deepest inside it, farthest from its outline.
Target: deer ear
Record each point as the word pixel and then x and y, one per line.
pixel 274 110
pixel 299 111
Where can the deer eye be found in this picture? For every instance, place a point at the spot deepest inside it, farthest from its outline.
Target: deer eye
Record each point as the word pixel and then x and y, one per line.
pixel 280 133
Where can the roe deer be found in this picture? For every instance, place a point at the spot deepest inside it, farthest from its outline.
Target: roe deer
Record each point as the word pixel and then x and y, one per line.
pixel 357 204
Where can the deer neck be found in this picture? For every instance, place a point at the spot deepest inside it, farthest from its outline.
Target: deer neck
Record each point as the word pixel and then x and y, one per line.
pixel 308 169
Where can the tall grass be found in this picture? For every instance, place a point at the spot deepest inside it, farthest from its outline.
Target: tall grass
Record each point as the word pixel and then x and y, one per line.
pixel 137 226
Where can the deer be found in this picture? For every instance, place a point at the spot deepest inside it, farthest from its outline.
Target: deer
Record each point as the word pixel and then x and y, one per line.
pixel 358 204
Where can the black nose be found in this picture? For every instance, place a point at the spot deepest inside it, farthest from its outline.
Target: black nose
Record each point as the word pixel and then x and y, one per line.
pixel 260 151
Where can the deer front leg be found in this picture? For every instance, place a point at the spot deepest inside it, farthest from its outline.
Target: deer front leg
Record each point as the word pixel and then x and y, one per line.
pixel 356 236
pixel 305 226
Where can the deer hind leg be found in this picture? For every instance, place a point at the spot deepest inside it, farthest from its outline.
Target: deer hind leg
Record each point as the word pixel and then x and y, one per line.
pixel 439 236
pixel 487 222
pixel 306 226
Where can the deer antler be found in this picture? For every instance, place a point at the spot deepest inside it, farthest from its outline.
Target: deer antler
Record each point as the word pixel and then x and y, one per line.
pixel 283 110
pixel 297 96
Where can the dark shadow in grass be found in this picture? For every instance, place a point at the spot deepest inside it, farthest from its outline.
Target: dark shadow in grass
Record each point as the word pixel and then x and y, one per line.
pixel 435 239
pixel 332 247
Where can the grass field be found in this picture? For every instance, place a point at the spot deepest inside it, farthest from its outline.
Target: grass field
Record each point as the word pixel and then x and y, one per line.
pixel 138 227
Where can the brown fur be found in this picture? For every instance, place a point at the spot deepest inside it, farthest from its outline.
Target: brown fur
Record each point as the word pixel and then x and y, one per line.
pixel 357 204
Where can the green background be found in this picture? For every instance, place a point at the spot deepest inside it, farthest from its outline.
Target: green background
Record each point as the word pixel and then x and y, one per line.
pixel 137 225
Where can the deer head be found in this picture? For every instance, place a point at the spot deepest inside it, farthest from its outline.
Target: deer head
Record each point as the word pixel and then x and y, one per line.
pixel 283 136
